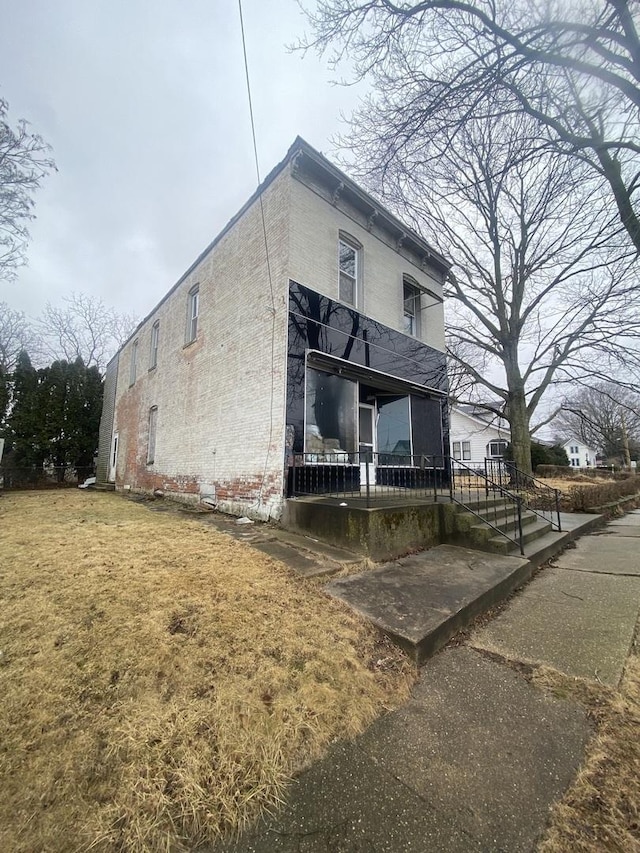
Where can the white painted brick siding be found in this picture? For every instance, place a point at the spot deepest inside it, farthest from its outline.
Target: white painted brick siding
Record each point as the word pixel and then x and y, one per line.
pixel 313 262
pixel 221 399
pixel 216 397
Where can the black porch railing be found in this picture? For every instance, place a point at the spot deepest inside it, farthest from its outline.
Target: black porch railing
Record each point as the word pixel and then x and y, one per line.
pixel 367 476
pixel 537 496
pixel 372 479
pixel 492 503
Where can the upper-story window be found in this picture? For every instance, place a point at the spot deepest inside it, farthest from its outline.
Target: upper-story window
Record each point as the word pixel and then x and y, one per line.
pixel 133 364
pixel 155 337
pixel 411 297
pixel 193 307
pixel 350 259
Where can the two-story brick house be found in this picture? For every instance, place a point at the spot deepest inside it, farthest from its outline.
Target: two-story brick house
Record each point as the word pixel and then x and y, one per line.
pixel 312 323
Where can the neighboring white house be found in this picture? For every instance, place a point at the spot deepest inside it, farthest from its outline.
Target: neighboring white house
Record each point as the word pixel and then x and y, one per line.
pixel 476 435
pixel 580 456
pixel 311 329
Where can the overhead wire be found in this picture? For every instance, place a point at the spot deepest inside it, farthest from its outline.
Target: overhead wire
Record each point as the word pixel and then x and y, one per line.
pixel 266 249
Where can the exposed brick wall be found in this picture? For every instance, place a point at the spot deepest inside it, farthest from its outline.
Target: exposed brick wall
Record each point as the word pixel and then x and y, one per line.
pixel 216 397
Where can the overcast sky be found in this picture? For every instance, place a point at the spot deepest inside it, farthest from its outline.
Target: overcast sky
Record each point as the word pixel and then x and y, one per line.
pixel 144 103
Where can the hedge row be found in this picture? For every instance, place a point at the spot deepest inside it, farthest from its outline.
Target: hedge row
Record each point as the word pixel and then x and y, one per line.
pixel 582 499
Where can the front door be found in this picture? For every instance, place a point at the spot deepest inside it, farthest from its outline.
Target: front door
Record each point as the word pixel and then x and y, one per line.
pixel 113 458
pixel 367 443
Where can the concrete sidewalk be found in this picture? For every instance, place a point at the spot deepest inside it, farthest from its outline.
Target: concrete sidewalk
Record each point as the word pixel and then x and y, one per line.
pixel 474 760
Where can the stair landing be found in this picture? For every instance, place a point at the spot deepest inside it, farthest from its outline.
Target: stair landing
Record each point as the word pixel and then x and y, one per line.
pixel 422 600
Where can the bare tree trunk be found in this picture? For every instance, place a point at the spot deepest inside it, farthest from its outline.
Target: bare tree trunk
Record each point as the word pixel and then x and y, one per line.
pixel 520 436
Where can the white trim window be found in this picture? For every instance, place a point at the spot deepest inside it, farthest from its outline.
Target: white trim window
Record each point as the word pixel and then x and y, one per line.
pixel 457 454
pixel 151 444
pixel 153 353
pixel 193 309
pixel 411 301
pixel 466 451
pixel 133 364
pixel 496 449
pixel 349 261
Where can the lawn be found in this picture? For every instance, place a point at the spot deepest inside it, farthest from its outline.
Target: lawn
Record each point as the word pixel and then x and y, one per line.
pixel 160 681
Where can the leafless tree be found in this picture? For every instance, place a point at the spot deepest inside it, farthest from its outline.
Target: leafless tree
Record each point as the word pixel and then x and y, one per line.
pixel 605 416
pixel 543 285
pixel 573 67
pixel 83 326
pixel 16 334
pixel 24 162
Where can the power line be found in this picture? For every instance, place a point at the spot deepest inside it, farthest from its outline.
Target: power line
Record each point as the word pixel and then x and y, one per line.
pixel 266 249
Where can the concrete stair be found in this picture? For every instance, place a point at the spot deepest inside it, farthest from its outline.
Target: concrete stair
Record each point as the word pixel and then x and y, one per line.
pixel 104 487
pixel 481 525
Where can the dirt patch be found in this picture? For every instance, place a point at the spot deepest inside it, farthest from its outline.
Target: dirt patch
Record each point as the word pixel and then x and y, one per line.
pixel 161 682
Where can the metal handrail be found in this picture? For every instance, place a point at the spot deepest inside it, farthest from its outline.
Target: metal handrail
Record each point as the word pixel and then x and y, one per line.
pixel 344 474
pixel 523 484
pixel 509 496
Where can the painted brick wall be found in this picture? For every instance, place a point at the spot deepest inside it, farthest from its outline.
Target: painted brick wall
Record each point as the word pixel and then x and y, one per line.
pixel 313 261
pixel 220 421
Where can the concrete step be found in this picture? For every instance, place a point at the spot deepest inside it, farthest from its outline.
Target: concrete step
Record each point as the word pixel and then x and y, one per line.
pixel 501 545
pixel 104 487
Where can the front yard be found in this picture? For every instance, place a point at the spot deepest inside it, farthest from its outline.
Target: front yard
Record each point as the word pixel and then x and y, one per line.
pixel 160 681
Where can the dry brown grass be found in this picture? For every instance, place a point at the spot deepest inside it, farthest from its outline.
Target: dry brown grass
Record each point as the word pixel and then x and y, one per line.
pixel 161 681
pixel 564 484
pixel 601 810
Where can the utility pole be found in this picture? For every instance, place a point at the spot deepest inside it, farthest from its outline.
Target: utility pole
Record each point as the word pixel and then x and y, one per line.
pixel 625 440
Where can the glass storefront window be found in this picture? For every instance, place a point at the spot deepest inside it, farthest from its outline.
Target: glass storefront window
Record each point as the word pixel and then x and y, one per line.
pixel 331 403
pixel 394 431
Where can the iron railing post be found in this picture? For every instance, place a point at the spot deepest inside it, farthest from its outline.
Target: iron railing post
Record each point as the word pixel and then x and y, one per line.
pixel 519 507
pixel 558 510
pixel 435 480
pixel 293 474
pixel 366 476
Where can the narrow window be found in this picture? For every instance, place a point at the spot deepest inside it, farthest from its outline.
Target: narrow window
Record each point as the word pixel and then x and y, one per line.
pixel 153 355
pixel 456 450
pixel 411 297
pixel 151 446
pixel 133 366
pixel 193 306
pixel 349 260
pixel 466 450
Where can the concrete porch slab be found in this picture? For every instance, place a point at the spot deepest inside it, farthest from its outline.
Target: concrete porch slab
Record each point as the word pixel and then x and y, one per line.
pixel 420 601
